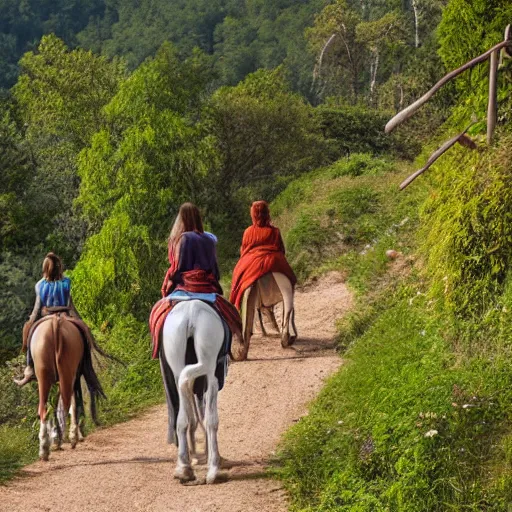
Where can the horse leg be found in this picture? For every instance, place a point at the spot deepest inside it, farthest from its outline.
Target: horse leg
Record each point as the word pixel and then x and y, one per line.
pixel 186 383
pixel 56 431
pixel 295 332
pixel 262 325
pixel 212 426
pixel 183 469
pixel 44 392
pixel 199 458
pixel 191 431
pixel 73 429
pixel 287 293
pixel 66 393
pixel 273 319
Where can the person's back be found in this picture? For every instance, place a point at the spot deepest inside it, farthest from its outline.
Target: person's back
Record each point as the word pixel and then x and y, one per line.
pixel 196 252
pixel 54 293
pixel 267 238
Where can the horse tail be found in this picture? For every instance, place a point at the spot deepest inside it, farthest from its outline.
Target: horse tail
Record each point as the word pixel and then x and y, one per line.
pixel 91 380
pixel 93 384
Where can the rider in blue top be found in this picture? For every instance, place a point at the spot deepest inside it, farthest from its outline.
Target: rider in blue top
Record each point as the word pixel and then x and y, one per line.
pixel 53 290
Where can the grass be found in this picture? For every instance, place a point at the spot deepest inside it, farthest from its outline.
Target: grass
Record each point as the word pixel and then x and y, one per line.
pixel 328 216
pixel 403 426
pixel 418 417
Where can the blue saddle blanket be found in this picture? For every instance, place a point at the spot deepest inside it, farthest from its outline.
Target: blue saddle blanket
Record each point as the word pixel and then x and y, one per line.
pixel 179 295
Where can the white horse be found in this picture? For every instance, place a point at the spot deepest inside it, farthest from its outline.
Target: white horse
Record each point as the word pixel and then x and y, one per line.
pixel 262 296
pixel 193 336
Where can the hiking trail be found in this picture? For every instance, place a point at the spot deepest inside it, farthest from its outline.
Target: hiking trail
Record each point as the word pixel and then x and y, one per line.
pixel 129 467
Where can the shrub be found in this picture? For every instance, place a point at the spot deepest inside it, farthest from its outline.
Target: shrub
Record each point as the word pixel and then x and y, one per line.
pixel 360 130
pixel 358 164
pixel 467 229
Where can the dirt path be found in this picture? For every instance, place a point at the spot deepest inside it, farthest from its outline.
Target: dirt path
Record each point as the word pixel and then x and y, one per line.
pixel 129 467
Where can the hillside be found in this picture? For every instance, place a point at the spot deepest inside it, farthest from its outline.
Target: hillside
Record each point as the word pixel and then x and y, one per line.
pixel 418 418
pixel 123 110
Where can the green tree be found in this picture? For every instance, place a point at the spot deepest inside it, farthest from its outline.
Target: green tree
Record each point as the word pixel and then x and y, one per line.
pixel 151 156
pixel 468 29
pixel 340 55
pixel 264 133
pixel 22 23
pixel 60 95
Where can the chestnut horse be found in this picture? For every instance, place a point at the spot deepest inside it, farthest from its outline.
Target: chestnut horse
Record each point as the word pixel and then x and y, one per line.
pixel 62 356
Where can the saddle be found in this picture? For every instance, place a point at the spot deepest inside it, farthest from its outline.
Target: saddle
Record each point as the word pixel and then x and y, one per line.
pixel 47 312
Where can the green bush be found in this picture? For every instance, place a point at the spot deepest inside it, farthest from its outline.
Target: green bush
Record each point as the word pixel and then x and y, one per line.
pixel 361 130
pixel 358 164
pixel 467 229
pixel 404 426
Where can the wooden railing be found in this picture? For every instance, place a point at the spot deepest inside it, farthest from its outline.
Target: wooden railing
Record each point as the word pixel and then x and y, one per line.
pixel 505 48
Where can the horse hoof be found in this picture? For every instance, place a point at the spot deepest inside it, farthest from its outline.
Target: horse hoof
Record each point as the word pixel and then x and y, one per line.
pixel 44 456
pixel 184 474
pixel 212 475
pixel 285 341
pixel 239 354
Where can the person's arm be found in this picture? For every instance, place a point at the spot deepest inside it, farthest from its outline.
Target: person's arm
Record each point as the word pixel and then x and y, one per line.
pixel 37 308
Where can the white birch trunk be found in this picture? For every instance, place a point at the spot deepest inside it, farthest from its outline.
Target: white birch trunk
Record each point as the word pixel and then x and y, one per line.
pixel 415 9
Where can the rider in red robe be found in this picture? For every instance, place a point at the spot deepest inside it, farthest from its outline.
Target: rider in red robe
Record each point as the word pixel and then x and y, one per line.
pixel 262 251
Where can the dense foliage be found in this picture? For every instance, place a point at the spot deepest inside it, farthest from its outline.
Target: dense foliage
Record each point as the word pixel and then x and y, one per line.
pixel 22 23
pixel 223 102
pixel 419 416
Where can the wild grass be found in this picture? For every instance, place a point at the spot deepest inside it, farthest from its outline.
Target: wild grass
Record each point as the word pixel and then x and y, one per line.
pixel 418 417
pixel 350 207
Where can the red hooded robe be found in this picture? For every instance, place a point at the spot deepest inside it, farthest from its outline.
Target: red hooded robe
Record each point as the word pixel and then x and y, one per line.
pixel 262 251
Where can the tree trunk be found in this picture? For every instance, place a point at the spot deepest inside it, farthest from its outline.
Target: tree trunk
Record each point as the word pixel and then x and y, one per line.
pixel 374 66
pixel 416 23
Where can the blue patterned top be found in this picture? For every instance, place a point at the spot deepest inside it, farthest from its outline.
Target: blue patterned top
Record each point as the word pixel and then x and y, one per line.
pixel 54 293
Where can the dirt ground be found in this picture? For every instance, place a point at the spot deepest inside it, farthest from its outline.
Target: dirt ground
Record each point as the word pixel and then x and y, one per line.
pixel 129 467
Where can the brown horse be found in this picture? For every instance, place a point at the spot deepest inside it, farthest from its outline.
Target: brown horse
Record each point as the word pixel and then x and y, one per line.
pixel 62 356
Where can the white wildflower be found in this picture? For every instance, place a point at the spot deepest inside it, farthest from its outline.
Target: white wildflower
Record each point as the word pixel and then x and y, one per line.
pixel 431 433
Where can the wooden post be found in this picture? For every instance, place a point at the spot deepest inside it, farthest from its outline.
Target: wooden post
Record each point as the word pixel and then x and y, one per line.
pixel 492 109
